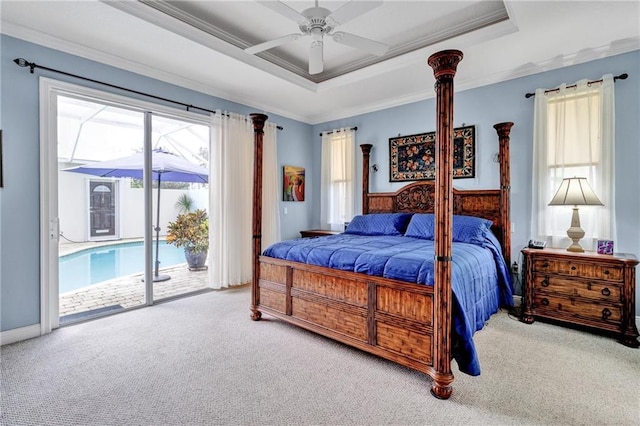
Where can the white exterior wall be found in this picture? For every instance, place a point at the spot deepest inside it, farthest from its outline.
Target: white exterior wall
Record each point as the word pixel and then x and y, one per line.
pixel 73 207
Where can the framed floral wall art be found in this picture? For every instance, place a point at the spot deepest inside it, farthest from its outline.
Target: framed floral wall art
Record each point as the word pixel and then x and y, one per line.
pixel 413 157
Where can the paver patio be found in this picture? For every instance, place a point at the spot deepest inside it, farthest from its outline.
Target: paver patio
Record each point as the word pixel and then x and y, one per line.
pixel 128 291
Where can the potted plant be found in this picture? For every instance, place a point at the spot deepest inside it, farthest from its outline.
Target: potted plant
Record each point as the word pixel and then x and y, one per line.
pixel 191 231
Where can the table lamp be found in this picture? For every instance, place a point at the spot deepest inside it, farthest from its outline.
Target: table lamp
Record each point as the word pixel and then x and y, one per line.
pixel 575 192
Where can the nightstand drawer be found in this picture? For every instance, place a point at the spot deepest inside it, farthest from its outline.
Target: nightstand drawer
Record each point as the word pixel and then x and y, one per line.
pixel 578 288
pixel 579 269
pixel 558 306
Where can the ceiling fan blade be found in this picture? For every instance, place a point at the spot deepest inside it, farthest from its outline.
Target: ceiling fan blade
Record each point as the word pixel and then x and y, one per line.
pixel 316 61
pixel 351 10
pixel 273 43
pixel 284 10
pixel 358 42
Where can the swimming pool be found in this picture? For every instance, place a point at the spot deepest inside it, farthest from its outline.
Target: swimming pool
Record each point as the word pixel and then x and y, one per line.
pixel 103 263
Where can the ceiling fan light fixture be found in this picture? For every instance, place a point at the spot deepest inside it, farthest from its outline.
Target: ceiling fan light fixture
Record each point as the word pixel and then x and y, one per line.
pixel 316 57
pixel 317 34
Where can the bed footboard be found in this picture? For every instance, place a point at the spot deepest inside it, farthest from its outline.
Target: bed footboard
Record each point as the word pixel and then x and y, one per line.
pixel 388 318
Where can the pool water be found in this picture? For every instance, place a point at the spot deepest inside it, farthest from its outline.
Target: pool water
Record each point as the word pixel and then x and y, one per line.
pixel 103 263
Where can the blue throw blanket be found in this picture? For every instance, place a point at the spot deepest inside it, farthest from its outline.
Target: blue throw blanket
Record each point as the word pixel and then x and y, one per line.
pixel 480 278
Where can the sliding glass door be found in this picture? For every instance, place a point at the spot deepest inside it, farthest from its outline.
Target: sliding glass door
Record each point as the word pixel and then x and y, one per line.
pixel 101 210
pixel 111 227
pixel 180 164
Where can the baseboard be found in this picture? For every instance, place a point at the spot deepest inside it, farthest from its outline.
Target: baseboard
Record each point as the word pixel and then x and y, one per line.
pixel 18 334
pixel 31 331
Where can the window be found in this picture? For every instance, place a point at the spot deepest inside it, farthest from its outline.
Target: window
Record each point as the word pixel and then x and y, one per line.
pixel 337 180
pixel 573 137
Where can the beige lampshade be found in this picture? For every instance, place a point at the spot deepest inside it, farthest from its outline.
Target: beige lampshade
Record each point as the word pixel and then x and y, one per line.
pixel 575 191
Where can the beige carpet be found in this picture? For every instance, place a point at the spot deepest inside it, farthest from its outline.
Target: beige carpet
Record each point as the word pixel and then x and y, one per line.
pixel 200 360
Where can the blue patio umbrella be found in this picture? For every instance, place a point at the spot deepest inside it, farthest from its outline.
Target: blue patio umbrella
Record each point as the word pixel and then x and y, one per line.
pixel 166 167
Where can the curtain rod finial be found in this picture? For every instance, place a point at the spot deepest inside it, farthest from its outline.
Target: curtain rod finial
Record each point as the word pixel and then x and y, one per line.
pixel 21 62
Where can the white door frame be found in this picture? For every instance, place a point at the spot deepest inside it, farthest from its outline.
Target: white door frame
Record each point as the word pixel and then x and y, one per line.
pixel 49 220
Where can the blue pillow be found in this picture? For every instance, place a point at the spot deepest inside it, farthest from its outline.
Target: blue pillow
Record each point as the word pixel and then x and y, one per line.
pixel 422 225
pixel 466 229
pixel 379 224
pixel 470 229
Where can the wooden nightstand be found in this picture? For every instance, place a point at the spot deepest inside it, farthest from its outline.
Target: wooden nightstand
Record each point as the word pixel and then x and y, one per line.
pixel 310 233
pixel 587 289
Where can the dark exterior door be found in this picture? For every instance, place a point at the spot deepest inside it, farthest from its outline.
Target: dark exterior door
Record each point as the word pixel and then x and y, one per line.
pixel 102 208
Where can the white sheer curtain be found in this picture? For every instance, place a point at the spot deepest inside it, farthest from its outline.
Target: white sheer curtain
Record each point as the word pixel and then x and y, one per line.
pixel 270 198
pixel 230 197
pixel 574 136
pixel 337 184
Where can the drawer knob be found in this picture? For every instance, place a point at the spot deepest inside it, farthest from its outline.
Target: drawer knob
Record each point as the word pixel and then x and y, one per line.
pixel 545 302
pixel 545 265
pixel 606 313
pixel 606 292
pixel 573 268
pixel 606 272
pixel 545 282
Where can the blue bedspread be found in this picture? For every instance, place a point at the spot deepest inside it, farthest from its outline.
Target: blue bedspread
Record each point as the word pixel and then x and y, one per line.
pixel 480 278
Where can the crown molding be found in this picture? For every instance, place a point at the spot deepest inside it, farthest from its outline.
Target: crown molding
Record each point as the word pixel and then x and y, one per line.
pixel 85 52
pixel 192 29
pixel 172 18
pixel 548 64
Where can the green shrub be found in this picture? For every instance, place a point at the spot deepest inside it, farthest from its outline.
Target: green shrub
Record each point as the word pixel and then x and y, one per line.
pixel 190 230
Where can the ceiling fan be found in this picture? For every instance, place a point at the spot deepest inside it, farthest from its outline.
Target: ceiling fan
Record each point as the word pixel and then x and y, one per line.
pixel 318 22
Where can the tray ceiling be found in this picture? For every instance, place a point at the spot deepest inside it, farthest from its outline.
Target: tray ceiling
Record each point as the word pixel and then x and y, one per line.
pixel 404 26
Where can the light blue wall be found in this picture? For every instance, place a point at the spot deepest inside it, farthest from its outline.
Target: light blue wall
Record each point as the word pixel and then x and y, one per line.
pixel 19 208
pixel 486 106
pixel 299 145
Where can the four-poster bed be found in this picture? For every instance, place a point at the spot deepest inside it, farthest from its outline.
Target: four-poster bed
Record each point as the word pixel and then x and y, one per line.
pixel 407 323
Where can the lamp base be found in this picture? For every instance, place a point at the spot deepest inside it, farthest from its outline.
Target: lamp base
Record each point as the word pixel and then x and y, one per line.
pixel 575 248
pixel 575 233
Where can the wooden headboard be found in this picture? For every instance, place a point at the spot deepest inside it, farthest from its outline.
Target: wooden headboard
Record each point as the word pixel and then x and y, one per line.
pixel 419 197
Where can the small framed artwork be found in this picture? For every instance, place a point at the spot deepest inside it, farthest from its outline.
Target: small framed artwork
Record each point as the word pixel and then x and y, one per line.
pixel 605 247
pixel 413 157
pixel 293 183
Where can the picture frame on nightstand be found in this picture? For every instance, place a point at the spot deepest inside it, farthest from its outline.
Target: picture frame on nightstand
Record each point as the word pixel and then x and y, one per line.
pixel 604 246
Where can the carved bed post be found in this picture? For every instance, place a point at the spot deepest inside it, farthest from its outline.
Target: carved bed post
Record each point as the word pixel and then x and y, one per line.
pixel 444 66
pixel 503 130
pixel 258 133
pixel 366 150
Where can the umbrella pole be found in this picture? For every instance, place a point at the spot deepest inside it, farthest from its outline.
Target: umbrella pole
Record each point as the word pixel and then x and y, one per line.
pixel 156 276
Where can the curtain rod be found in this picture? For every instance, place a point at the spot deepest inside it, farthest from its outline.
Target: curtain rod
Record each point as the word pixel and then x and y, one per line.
pixel 618 77
pixel 21 62
pixel 353 128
